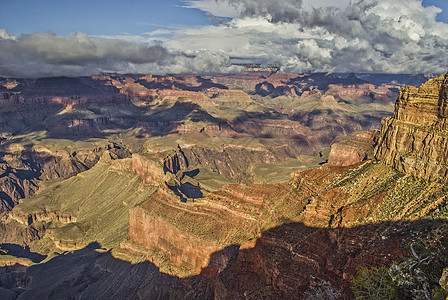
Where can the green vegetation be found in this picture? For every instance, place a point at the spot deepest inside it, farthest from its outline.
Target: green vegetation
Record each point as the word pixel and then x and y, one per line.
pixel 92 206
pixel 375 284
pixel 9 260
pixel 211 181
pixel 42 138
pixel 402 197
pixel 280 172
pixel 412 197
pixel 421 276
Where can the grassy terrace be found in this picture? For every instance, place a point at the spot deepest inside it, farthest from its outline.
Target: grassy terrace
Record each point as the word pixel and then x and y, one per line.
pixel 92 206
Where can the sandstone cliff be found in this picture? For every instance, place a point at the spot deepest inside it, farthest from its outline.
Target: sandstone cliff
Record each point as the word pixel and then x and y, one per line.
pixel 353 150
pixel 415 139
pixel 180 237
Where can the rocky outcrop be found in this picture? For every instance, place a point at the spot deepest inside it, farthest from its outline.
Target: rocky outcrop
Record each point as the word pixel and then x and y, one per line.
pixel 173 163
pixel 171 244
pixel 23 168
pixel 232 162
pixel 147 169
pixel 180 237
pixel 423 105
pixel 183 250
pixel 415 139
pixel 15 232
pixel 354 150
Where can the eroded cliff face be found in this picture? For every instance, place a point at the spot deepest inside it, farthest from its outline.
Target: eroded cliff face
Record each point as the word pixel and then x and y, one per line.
pixel 353 150
pixel 180 237
pixel 22 169
pixel 415 139
pixel 182 250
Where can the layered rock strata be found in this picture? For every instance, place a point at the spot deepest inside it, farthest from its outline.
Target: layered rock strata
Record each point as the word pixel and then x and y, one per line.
pixel 415 139
pixel 180 237
pixel 23 168
pixel 354 150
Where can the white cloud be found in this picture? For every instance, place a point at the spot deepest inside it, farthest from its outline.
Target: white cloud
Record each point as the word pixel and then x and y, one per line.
pixel 285 10
pixel 360 35
pixel 6 36
pixel 216 8
pixel 158 32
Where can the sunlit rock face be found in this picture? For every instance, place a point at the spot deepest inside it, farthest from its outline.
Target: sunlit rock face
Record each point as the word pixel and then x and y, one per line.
pixel 354 150
pixel 415 139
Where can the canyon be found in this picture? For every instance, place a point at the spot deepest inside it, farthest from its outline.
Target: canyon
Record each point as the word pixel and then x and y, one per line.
pixel 255 185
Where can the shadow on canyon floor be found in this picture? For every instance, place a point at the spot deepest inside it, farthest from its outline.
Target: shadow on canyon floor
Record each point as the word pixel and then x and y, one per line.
pixel 23 252
pixel 282 264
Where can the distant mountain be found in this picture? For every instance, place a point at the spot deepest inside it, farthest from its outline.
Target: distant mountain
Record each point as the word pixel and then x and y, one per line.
pixel 59 86
pixel 394 79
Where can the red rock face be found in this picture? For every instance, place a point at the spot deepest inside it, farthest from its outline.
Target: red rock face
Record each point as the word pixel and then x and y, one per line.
pixel 345 156
pixel 147 169
pixel 182 249
pixel 171 164
pixel 354 150
pixel 414 140
pixel 286 261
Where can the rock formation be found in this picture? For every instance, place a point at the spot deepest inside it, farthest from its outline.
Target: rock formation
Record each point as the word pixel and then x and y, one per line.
pixel 415 139
pixel 353 150
pixel 180 238
pixel 23 168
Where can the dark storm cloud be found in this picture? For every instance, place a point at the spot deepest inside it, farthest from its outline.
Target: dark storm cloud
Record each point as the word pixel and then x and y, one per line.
pixel 40 54
pixel 47 54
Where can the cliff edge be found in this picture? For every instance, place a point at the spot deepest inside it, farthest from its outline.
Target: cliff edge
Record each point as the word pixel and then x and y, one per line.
pixel 415 139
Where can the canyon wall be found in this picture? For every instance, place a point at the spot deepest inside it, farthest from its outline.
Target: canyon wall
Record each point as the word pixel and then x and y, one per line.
pixel 23 168
pixel 354 150
pixel 292 237
pixel 415 139
pixel 180 248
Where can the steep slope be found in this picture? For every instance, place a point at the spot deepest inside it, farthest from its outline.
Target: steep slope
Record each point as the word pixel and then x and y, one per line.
pixel 24 167
pixel 92 206
pixel 179 238
pixel 415 139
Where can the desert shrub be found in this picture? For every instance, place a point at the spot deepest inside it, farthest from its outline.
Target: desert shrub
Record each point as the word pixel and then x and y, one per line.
pixel 324 291
pixel 375 284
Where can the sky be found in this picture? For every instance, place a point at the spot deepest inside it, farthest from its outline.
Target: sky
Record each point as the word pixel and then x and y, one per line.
pixel 72 38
